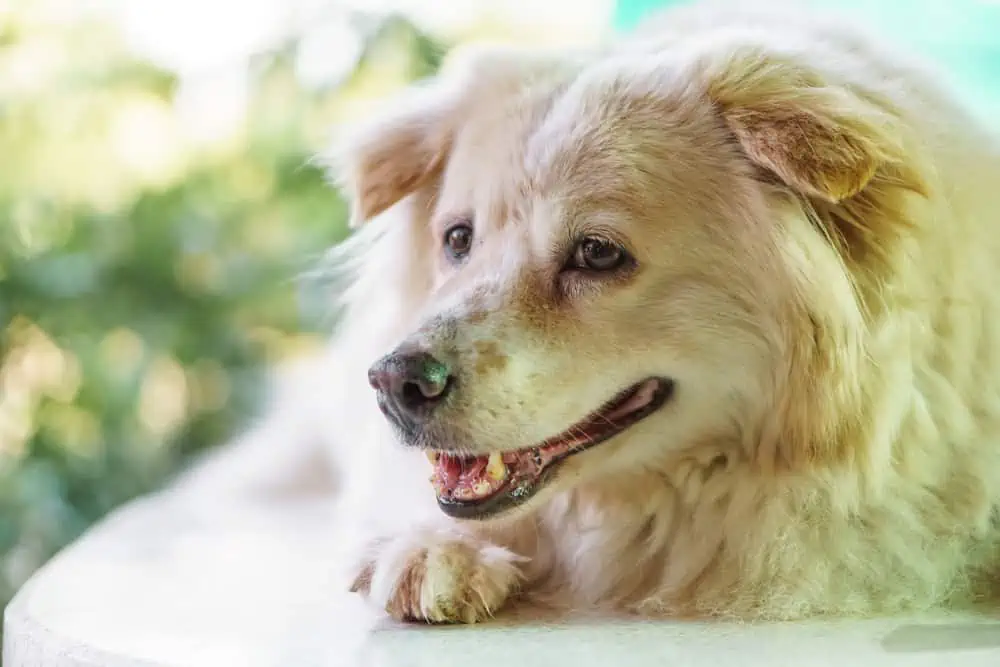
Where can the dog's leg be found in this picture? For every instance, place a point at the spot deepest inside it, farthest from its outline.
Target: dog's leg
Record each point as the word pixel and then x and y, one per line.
pixel 448 573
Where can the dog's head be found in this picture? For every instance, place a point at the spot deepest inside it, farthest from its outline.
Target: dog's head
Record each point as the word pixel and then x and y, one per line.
pixel 625 262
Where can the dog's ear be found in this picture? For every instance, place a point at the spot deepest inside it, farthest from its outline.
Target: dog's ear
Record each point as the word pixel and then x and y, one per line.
pixel 388 157
pixel 821 140
pixel 384 159
pixel 811 151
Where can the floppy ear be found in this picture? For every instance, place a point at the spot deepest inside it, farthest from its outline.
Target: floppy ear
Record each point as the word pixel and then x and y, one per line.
pixel 821 140
pixel 389 157
pixel 383 160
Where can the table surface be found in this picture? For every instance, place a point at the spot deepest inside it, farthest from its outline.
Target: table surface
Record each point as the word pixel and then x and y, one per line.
pixel 175 580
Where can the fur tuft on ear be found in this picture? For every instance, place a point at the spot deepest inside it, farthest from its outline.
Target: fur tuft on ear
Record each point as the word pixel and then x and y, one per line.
pixel 819 138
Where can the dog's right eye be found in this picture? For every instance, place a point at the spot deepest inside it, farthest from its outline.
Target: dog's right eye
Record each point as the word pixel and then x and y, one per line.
pixel 458 240
pixel 598 255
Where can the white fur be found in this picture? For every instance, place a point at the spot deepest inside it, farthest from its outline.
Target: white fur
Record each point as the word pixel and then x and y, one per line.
pixel 838 447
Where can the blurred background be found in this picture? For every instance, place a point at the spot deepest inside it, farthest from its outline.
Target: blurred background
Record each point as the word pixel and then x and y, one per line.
pixel 160 210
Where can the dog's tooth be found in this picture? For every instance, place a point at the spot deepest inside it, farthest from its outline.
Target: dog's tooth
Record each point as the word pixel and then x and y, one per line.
pixel 432 456
pixel 496 469
pixel 481 488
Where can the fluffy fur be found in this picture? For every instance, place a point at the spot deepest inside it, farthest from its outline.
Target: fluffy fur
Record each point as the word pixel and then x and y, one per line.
pixel 815 229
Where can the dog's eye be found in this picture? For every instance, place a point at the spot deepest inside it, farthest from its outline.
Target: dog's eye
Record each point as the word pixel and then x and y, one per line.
pixel 458 240
pixel 597 254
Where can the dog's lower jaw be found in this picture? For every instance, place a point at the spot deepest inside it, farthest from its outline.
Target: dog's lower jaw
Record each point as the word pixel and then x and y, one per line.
pixel 438 575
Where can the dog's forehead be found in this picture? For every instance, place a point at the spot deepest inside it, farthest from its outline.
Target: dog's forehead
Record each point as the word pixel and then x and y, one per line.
pixel 593 138
pixel 487 173
pixel 614 141
pixel 589 143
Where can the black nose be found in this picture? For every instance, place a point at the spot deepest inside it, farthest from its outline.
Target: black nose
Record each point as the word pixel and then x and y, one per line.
pixel 410 384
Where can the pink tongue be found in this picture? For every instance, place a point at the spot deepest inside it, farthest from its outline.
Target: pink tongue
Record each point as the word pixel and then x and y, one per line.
pixel 642 397
pixel 454 470
pixel 473 469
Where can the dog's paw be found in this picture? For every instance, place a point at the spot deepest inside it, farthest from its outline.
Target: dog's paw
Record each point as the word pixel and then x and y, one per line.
pixel 438 577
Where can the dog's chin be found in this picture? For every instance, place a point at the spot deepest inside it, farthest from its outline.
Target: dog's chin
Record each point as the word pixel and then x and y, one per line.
pixel 489 485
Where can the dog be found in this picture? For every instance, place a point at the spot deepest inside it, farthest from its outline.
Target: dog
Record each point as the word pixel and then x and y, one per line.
pixel 700 323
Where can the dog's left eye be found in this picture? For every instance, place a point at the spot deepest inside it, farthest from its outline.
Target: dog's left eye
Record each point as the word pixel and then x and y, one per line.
pixel 597 254
pixel 458 240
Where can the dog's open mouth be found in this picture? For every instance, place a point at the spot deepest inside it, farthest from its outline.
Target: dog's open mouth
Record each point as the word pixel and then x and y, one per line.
pixel 476 487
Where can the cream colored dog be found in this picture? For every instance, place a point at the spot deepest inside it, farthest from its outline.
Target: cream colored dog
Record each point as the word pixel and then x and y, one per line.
pixel 706 322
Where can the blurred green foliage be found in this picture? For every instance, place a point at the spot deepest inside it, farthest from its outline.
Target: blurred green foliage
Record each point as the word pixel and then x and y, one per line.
pixel 145 279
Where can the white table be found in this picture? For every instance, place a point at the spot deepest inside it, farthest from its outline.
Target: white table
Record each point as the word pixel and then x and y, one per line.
pixel 177 580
